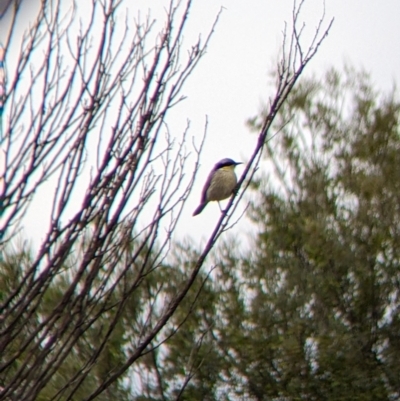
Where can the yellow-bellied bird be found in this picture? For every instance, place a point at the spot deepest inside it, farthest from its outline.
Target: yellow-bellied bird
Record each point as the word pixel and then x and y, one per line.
pixel 220 183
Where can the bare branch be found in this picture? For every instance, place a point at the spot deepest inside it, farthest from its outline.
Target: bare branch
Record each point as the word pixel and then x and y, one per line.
pixel 86 131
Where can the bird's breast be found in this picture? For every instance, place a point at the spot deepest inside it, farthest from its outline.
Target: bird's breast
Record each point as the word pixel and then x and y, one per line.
pixel 222 185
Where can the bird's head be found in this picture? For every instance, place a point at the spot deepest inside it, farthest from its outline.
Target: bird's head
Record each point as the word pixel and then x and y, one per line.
pixel 226 163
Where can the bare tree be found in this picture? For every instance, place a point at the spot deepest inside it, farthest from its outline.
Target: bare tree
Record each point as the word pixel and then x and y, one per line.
pixel 85 125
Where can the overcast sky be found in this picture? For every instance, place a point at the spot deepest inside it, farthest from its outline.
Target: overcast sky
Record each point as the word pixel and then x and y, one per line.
pixel 231 82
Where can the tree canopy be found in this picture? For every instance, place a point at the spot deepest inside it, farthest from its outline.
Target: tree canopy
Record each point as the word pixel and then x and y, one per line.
pixel 108 308
pixel 307 310
pixel 310 310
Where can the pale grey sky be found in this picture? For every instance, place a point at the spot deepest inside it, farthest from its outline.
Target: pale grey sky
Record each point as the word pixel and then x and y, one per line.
pixel 231 82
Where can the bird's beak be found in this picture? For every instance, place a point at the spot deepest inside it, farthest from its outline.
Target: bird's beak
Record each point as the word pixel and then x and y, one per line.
pixel 238 163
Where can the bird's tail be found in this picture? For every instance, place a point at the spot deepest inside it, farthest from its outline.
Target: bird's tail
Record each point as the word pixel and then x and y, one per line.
pixel 199 209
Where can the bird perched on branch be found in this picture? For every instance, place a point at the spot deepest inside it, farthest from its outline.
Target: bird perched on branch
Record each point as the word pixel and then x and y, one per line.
pixel 220 184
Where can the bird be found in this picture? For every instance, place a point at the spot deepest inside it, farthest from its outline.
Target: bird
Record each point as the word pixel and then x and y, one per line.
pixel 220 184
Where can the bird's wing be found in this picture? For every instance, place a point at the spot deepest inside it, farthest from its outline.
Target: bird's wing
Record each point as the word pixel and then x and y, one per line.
pixel 206 186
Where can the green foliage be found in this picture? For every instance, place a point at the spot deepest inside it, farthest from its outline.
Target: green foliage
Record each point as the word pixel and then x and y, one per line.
pixel 76 349
pixel 324 272
pixel 311 310
pixel 110 324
